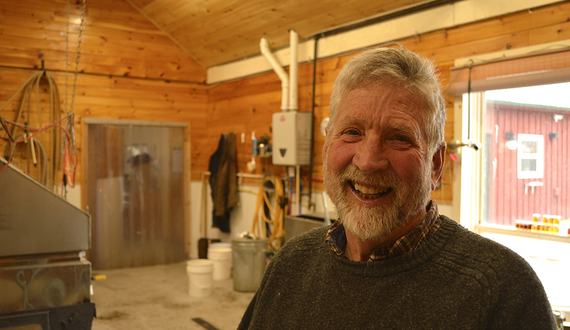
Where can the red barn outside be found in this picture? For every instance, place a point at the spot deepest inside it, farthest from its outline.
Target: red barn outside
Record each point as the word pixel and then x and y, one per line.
pixel 535 176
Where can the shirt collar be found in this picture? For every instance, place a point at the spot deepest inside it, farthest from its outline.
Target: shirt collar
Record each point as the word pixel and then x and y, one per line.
pixel 336 237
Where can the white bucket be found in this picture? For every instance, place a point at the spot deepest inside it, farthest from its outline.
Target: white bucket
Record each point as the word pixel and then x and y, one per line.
pixel 221 244
pixel 200 277
pixel 221 256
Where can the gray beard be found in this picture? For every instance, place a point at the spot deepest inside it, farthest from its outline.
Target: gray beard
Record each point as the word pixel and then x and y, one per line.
pixel 376 222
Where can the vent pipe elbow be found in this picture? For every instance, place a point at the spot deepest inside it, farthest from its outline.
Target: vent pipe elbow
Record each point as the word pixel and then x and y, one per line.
pixel 264 45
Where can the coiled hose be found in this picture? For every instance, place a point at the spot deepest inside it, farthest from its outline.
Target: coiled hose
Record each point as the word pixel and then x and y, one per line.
pixel 277 212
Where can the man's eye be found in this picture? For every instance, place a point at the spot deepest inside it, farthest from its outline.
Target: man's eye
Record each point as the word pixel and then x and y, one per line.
pixel 401 138
pixel 351 135
pixel 353 132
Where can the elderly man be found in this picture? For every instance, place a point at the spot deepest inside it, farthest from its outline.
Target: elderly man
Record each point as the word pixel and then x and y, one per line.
pixel 392 261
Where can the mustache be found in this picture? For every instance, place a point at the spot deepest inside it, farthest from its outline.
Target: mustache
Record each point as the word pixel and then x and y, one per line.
pixel 354 174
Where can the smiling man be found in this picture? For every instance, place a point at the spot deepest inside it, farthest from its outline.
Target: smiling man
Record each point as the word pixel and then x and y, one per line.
pixel 391 261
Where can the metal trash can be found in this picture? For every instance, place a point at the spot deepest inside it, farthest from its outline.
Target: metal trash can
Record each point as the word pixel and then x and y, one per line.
pixel 249 263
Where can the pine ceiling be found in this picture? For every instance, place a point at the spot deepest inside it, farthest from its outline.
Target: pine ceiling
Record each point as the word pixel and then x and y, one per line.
pixel 215 32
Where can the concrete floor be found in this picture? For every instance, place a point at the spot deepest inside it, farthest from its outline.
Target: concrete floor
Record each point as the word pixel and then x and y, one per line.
pixel 156 297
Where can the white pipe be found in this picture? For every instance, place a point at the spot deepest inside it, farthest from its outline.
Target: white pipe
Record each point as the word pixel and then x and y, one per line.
pixel 293 70
pixel 264 45
pixel 298 189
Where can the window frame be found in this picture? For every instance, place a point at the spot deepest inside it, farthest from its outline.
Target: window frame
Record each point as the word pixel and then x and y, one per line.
pixel 467 171
pixel 468 185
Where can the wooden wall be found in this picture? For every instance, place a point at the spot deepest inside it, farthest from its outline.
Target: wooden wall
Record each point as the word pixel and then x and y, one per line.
pixel 128 69
pixel 131 70
pixel 246 105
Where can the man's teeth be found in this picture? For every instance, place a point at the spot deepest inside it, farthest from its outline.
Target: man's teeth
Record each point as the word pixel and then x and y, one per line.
pixel 367 190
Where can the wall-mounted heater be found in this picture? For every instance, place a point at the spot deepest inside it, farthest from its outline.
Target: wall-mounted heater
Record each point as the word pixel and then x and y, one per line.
pixel 291 129
pixel 292 138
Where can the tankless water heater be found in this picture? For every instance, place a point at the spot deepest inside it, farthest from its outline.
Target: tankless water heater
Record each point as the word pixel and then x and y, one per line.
pixel 292 138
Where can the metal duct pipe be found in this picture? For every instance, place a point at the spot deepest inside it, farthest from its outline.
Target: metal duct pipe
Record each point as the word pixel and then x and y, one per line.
pixel 264 45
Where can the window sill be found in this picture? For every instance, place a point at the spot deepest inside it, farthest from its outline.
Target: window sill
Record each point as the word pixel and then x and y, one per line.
pixel 509 230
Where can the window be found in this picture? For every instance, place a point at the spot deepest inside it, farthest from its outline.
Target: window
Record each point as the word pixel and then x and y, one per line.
pixel 525 148
pixel 521 169
pixel 530 156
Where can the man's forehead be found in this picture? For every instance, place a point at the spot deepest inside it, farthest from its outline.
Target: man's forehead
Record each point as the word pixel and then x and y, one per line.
pixel 370 100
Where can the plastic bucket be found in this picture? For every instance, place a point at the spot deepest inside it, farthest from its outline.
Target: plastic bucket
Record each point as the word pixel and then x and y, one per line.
pixel 249 263
pixel 221 256
pixel 221 244
pixel 199 277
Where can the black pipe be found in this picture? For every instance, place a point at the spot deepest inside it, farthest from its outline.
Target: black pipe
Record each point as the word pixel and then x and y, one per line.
pixel 313 124
pixel 382 18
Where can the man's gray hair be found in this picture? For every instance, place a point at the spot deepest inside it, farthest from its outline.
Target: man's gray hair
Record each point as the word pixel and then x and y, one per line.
pixel 398 66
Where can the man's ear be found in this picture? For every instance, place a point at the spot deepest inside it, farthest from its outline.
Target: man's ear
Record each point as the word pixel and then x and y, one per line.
pixel 437 164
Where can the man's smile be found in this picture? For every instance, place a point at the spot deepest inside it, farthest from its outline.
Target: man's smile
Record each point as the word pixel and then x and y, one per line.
pixel 369 192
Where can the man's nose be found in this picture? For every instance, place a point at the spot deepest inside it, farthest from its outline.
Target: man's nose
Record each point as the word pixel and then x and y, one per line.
pixel 370 156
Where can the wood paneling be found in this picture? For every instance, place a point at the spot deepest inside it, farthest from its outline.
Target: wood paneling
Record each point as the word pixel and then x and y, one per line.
pixel 227 31
pixel 444 46
pixel 129 69
pixel 114 97
pixel 116 40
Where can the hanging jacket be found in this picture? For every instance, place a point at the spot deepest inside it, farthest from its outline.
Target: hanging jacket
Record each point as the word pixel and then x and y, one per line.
pixel 223 181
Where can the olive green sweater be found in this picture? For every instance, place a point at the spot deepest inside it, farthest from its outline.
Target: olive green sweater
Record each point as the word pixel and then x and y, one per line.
pixel 456 280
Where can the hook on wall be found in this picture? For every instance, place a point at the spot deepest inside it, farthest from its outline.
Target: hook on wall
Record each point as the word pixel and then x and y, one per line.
pixel 453 146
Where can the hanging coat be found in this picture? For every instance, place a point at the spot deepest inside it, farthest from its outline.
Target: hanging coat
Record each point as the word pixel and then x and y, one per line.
pixel 223 181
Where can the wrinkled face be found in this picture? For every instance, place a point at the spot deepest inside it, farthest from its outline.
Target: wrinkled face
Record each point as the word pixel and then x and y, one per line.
pixel 376 167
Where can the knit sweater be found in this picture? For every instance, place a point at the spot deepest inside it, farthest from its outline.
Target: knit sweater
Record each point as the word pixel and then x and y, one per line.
pixel 455 280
